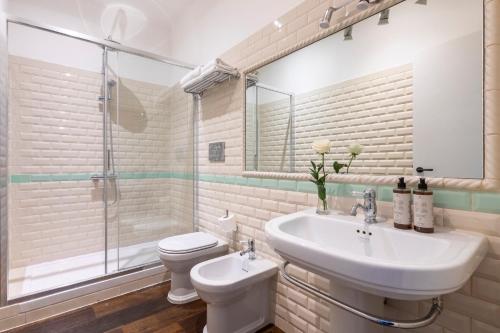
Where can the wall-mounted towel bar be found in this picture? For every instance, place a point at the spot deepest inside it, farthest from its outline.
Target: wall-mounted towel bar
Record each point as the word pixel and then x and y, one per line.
pixel 435 310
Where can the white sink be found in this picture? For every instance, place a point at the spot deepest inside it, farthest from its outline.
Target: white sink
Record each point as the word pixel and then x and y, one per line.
pixel 388 262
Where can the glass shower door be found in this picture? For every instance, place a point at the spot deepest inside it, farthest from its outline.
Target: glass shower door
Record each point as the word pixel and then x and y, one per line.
pixel 100 159
pixel 55 212
pixel 150 145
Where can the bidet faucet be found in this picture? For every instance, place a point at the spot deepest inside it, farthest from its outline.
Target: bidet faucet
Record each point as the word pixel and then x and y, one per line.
pixel 250 250
pixel 369 205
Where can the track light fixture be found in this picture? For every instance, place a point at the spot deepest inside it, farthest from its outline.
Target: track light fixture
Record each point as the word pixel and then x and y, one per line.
pixel 363 4
pixel 325 21
pixel 348 33
pixel 384 17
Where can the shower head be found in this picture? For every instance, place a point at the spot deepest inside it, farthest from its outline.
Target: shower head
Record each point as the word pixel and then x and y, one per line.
pixel 111 83
pixel 325 21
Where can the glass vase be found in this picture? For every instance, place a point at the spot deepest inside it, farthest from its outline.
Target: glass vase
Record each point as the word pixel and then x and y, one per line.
pixel 322 208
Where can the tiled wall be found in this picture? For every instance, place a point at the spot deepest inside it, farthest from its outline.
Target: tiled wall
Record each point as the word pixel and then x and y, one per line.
pixel 55 137
pixel 181 157
pixel 3 152
pixel 55 125
pixel 473 309
pixel 255 203
pixel 374 110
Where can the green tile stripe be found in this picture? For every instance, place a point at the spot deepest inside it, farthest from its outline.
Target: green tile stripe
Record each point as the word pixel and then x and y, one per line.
pixel 452 199
pixel 37 178
pixel 486 202
pixel 461 200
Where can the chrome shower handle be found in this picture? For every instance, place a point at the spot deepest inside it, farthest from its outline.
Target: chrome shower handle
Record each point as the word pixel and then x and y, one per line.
pixel 97 178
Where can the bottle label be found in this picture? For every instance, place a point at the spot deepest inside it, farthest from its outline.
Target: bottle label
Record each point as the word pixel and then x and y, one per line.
pixel 424 217
pixel 402 208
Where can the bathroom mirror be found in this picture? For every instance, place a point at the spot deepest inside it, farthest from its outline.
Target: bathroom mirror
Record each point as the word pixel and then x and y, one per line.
pixel 405 84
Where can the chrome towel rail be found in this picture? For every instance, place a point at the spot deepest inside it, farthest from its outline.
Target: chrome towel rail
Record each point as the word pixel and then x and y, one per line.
pixel 435 310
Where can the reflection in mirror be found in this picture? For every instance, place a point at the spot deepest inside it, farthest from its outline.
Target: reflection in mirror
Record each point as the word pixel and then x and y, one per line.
pixel 406 84
pixel 277 144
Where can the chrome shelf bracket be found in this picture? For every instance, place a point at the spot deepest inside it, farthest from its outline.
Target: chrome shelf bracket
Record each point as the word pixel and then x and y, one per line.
pixel 435 310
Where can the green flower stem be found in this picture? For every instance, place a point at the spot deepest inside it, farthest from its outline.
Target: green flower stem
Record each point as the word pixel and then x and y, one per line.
pixel 322 190
pixel 320 180
pixel 350 161
pixel 324 167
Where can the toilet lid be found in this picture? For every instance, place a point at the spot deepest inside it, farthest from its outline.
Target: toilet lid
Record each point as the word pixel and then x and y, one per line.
pixel 186 243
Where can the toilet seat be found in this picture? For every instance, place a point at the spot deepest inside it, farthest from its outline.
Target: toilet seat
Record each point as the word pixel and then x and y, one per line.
pixel 180 253
pixel 187 243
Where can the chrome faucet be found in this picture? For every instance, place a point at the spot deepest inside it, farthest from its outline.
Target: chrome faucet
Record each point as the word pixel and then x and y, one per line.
pixel 250 250
pixel 369 205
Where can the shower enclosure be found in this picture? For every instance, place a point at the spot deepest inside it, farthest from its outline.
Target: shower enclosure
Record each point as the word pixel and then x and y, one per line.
pixel 100 158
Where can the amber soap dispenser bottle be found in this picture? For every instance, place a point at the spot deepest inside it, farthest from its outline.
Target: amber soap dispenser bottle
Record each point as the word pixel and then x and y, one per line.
pixel 402 205
pixel 423 219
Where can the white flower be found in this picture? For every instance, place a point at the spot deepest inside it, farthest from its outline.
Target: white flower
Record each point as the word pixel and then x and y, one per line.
pixel 322 146
pixel 355 149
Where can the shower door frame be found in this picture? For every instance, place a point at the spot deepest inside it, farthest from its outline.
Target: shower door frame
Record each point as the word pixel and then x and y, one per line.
pixel 106 45
pixel 100 42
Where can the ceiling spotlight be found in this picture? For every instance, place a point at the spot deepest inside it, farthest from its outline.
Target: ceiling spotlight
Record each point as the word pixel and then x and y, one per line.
pixel 348 33
pixel 421 2
pixel 325 21
pixel 384 17
pixel 363 4
pixel 278 24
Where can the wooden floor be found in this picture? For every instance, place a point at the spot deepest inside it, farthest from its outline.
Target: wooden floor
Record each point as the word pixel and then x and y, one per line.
pixel 143 311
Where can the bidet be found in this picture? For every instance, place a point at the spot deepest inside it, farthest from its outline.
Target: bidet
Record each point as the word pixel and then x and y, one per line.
pixel 238 301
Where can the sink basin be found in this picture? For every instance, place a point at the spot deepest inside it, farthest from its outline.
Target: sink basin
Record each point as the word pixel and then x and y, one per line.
pixel 377 258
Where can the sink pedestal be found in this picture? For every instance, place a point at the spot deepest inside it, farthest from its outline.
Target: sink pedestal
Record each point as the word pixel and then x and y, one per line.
pixel 342 321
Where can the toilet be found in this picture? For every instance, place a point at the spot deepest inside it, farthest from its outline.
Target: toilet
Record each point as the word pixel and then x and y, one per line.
pixel 238 300
pixel 180 253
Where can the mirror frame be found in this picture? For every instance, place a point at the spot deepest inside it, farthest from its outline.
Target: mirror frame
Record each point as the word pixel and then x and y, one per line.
pixel 491 106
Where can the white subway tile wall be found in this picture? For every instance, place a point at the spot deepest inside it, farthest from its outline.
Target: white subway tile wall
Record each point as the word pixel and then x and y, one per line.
pixel 4 92
pixel 54 121
pixel 374 111
pixel 473 309
pixel 299 312
pixel 55 130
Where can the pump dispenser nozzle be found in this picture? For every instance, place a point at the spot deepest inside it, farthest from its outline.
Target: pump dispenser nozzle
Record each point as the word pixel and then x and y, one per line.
pixel 422 185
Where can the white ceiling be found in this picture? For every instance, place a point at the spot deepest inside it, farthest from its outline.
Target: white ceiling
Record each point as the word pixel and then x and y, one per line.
pixel 190 30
